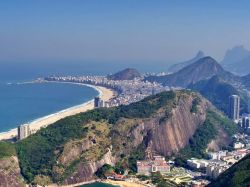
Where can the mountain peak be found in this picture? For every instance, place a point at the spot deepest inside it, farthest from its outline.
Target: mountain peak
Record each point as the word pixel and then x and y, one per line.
pixel 126 74
pixel 200 54
pixel 237 53
pixel 237 60
pixel 176 67
pixel 202 69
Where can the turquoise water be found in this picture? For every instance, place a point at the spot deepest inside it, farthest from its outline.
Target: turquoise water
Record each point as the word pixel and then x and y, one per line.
pixel 97 184
pixel 22 103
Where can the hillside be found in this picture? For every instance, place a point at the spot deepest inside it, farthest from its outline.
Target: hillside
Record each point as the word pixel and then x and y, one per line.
pixel 74 148
pixel 9 168
pixel 217 91
pixel 236 176
pixel 176 67
pixel 237 60
pixel 126 74
pixel 202 69
pixel 245 80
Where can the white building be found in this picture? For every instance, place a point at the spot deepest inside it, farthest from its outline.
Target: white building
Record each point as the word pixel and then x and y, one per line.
pixel 238 145
pixel 234 107
pixel 23 131
pixel 197 163
pixel 217 155
pixel 214 170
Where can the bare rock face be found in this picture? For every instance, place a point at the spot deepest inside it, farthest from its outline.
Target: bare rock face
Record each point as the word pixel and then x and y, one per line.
pixel 85 171
pixel 10 173
pixel 171 135
pixel 73 149
pixel 160 134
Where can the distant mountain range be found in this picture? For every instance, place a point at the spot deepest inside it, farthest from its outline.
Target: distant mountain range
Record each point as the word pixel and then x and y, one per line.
pixel 204 68
pixel 217 91
pixel 237 60
pixel 126 74
pixel 176 67
pixel 210 79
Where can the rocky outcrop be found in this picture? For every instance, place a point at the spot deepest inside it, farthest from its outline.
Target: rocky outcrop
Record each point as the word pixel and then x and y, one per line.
pixel 85 171
pixel 10 173
pixel 161 135
pixel 160 124
pixel 73 149
pixel 173 134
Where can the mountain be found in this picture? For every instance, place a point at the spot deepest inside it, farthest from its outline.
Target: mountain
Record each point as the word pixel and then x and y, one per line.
pixel 176 67
pixel 204 68
pixel 236 176
pixel 245 80
pixel 126 74
pixel 73 149
pixel 217 91
pixel 237 60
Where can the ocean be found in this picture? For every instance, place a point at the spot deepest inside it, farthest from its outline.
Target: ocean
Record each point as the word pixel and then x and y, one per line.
pixel 22 103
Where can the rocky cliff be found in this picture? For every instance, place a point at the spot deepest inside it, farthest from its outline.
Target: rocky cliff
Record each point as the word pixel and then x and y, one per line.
pixel 74 148
pixel 10 175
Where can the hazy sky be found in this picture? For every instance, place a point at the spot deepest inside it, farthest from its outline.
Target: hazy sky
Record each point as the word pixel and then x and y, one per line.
pixel 122 30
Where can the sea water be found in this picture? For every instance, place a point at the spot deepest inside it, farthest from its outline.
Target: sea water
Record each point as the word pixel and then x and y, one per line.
pixel 25 102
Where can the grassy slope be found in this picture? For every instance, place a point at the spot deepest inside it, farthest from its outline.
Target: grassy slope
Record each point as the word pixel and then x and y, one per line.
pixel 38 153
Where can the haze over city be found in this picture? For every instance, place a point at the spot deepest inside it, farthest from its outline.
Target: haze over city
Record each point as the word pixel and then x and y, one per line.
pixel 120 31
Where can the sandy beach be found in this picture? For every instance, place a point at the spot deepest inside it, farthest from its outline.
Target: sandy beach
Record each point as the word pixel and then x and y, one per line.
pixel 123 183
pixel 104 93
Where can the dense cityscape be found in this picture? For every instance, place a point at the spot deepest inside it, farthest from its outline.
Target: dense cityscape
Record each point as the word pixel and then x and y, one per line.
pixel 128 91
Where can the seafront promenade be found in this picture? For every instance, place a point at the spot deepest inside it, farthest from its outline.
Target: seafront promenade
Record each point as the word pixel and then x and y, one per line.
pixel 104 93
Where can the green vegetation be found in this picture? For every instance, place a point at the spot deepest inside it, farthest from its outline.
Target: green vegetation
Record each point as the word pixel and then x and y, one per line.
pixel 38 153
pixel 104 171
pixel 195 105
pixel 7 149
pixel 236 176
pixel 203 135
pixel 45 156
pixel 160 181
pixel 218 91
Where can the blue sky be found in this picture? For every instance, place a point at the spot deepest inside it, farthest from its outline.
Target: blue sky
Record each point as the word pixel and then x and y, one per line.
pixel 120 30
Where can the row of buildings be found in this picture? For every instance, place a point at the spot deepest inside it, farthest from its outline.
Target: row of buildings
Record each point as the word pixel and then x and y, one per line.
pixel 129 91
pixel 219 161
pixel 234 113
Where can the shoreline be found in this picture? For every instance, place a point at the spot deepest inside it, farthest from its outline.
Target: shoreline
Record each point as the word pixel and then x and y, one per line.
pixel 104 93
pixel 123 183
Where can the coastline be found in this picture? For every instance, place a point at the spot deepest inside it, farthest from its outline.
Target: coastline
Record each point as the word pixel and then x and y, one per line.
pixel 104 93
pixel 123 183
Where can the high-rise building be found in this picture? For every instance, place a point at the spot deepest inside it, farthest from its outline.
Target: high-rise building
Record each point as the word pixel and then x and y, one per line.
pixel 23 131
pixel 96 102
pixel 245 124
pixel 234 107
